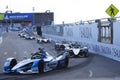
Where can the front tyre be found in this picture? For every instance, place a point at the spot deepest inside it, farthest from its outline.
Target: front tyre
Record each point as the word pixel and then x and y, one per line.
pixel 81 54
pixel 9 64
pixel 13 63
pixel 71 54
pixel 62 47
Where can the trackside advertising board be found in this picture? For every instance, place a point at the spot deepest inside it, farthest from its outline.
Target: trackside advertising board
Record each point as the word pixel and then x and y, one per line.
pixel 19 16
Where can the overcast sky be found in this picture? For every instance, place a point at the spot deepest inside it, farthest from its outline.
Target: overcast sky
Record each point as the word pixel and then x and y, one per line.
pixel 68 11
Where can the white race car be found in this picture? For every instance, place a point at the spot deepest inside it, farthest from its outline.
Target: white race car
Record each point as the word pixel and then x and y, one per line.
pixel 21 34
pixel 28 37
pixel 43 40
pixel 39 62
pixel 76 51
pixel 62 45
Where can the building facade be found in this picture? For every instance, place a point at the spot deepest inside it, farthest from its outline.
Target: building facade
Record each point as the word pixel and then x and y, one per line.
pixel 37 20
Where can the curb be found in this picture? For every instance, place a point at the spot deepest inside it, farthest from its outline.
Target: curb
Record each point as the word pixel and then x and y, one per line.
pixel 1 40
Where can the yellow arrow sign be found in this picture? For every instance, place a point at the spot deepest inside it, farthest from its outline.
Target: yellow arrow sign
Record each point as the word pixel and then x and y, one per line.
pixel 112 11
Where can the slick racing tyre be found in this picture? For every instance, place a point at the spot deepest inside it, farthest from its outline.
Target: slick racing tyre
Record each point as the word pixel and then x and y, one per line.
pixel 66 62
pixel 38 41
pixel 81 54
pixel 48 41
pixel 71 54
pixel 13 63
pixel 41 66
pixel 62 47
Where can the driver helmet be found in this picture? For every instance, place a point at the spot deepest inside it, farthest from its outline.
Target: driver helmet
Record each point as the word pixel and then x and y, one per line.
pixel 42 51
pixel 38 54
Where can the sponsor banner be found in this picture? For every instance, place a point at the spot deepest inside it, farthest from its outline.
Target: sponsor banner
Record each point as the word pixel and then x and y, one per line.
pixel 19 16
pixel 87 32
pixel 107 50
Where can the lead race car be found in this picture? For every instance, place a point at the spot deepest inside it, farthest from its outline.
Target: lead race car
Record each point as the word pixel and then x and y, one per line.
pixel 40 62
pixel 76 51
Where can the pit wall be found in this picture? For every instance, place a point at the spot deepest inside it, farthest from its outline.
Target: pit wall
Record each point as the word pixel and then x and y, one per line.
pixel 87 35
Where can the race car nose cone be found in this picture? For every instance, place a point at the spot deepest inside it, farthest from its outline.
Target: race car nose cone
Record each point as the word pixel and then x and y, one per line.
pixel 76 51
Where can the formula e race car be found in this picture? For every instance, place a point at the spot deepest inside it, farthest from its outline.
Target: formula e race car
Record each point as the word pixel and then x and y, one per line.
pixel 61 45
pixel 26 36
pixel 21 34
pixel 43 40
pixel 77 51
pixel 40 62
pixel 29 37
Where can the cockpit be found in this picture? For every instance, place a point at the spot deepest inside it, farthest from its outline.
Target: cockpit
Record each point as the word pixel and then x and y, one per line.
pixel 39 55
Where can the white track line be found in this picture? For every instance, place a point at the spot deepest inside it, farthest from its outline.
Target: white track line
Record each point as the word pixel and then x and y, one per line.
pixel 91 73
pixel 1 40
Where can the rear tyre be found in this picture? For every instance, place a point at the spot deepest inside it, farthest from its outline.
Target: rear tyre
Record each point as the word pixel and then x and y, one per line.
pixel 37 41
pixel 48 41
pixel 41 66
pixel 66 62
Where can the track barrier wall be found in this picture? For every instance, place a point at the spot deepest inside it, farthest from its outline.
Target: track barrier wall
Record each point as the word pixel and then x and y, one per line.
pixel 101 38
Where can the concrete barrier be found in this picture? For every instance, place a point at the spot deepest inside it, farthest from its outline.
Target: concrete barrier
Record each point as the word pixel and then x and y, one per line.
pixel 103 41
pixel 1 40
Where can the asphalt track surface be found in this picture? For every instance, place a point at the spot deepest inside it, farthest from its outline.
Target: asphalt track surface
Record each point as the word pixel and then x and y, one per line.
pixel 94 67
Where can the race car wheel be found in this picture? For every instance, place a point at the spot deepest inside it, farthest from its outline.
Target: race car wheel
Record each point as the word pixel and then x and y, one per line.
pixel 62 47
pixel 57 47
pixel 71 54
pixel 37 41
pixel 81 55
pixel 66 62
pixel 13 63
pixel 48 41
pixel 86 53
pixel 41 66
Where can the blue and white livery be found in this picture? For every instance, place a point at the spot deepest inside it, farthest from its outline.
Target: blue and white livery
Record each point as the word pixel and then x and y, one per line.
pixel 40 62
